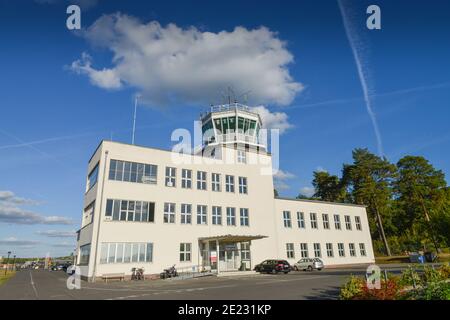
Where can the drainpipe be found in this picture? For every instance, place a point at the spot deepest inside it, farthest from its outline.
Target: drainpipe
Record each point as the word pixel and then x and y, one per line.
pixel 217 256
pixel 99 218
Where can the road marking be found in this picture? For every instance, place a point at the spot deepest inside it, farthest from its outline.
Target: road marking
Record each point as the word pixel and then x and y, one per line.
pixel 32 284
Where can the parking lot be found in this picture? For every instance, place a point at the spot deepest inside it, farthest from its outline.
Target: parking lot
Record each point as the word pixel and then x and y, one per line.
pixel 44 285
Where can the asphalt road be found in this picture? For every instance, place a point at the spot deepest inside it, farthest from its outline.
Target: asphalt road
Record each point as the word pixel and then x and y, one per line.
pixel 48 285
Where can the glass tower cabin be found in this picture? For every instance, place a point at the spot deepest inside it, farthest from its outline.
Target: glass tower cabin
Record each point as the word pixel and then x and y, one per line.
pixel 232 124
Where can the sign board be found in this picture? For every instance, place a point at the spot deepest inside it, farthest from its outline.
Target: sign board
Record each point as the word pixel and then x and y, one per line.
pixel 231 246
pixel 213 256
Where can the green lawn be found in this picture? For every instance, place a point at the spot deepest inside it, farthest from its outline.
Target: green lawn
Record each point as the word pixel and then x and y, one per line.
pixel 4 278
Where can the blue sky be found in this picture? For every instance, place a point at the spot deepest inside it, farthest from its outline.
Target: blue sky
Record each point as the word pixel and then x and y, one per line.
pixel 53 114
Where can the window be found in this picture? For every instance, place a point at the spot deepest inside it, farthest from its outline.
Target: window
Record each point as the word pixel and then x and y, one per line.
pixel 326 222
pixel 243 185
pixel 186 213
pixel 85 252
pixel 358 223
pixel 301 220
pixel 186 179
pixel 241 156
pixel 337 222
pixel 215 181
pixel 88 215
pixel 132 172
pixel 229 183
pixel 362 249
pixel 351 246
pixel 126 252
pixel 290 250
pixel 287 219
pixel 304 250
pixel 185 252
pixel 217 215
pixel 244 217
pixel 202 215
pixel 313 218
pixel 330 253
pixel 231 216
pixel 341 250
pixel 317 251
pixel 348 223
pixel 171 174
pixel 201 180
pixel 125 210
pixel 245 250
pixel 92 177
pixel 169 212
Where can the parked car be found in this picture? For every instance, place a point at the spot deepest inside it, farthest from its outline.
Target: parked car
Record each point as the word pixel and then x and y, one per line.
pixel 273 266
pixel 309 264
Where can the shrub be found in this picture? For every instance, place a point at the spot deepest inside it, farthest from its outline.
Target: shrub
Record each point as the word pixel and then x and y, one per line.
pixel 390 290
pixel 352 288
pixel 444 270
pixel 410 277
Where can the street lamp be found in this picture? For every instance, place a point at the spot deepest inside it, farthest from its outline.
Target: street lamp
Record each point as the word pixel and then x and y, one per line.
pixel 14 263
pixel 7 261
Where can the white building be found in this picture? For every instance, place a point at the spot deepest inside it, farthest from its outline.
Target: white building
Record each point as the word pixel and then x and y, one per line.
pixel 212 210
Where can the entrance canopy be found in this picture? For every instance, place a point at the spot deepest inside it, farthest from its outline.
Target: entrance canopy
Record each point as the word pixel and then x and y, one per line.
pixel 232 238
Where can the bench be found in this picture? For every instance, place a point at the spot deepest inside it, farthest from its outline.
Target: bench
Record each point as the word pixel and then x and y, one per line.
pixel 108 276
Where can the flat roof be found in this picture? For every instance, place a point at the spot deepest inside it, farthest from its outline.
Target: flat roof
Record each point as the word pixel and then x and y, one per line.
pixel 323 202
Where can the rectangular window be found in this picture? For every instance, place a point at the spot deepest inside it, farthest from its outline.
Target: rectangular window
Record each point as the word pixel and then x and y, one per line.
pixel 287 219
pixel 169 212
pixel 85 252
pixel 330 253
pixel 185 252
pixel 126 252
pixel 201 180
pixel 216 215
pixel 352 250
pixel 326 222
pixel 341 250
pixel 202 217
pixel 241 156
pixel 186 179
pixel 301 220
pixel 362 249
pixel 186 214
pixel 171 174
pixel 92 177
pixel 313 218
pixel 317 251
pixel 244 217
pixel 358 223
pixel 132 172
pixel 337 222
pixel 243 185
pixel 290 251
pixel 229 183
pixel 304 250
pixel 231 216
pixel 215 181
pixel 124 210
pixel 348 223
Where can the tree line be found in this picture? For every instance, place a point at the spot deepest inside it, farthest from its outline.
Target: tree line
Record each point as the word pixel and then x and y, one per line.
pixel 408 203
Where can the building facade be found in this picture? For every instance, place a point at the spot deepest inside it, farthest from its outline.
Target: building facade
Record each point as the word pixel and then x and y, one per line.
pixel 211 210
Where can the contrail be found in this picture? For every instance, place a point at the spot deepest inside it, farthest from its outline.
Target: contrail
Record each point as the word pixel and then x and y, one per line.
pixel 362 73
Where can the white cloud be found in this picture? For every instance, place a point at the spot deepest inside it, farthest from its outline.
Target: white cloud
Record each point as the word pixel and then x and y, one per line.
pixel 170 64
pixel 321 169
pixel 106 78
pixel 279 179
pixel 307 191
pixel 57 234
pixel 10 212
pixel 12 241
pixel 273 120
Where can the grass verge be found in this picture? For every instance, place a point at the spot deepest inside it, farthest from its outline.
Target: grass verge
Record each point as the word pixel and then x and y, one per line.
pixel 4 278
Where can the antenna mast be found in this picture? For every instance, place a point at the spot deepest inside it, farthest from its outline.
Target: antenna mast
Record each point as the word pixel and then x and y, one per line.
pixel 134 118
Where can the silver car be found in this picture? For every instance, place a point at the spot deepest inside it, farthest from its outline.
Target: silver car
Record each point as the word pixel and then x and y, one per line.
pixel 309 264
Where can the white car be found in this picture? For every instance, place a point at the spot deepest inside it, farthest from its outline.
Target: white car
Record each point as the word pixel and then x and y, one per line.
pixel 309 264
